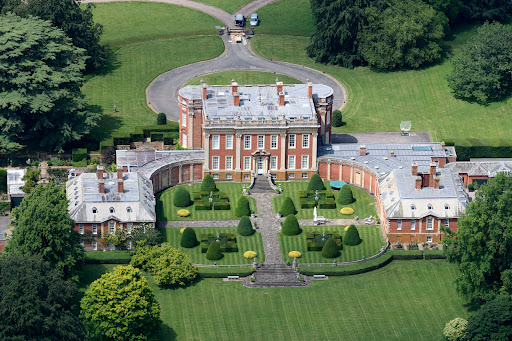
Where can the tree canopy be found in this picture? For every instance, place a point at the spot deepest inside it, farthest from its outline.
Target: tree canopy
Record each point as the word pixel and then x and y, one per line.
pixel 120 306
pixel 147 233
pixel 480 10
pixel 42 227
pixel 35 302
pixel 492 322
pixel 40 78
pixel 482 70
pixel 482 246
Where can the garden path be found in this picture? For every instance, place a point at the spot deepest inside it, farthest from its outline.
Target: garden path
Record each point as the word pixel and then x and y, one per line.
pixel 268 226
pixel 337 222
pixel 198 223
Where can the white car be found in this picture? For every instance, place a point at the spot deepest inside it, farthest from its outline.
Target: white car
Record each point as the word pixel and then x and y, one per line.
pixel 254 19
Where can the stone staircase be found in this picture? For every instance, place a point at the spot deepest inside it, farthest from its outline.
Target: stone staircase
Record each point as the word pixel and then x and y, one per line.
pixel 275 276
pixel 261 185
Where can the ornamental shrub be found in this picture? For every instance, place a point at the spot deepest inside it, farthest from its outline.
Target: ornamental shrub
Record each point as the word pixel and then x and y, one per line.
pixel 346 228
pixel 316 183
pixel 250 254
pixel 347 211
pixel 242 207
pixel 456 329
pixel 337 118
pixel 161 119
pixel 291 226
pixel 183 213
pixel 287 207
pixel 352 236
pixel 345 196
pixel 182 197
pixel 330 249
pixel 214 252
pixel 188 238
pixel 294 254
pixel 245 227
pixel 183 230
pixel 208 184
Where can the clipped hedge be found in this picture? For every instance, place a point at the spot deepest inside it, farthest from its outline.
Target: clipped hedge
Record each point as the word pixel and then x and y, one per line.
pixel 305 203
pixel 464 153
pixel 406 255
pixel 202 206
pixel 5 206
pixel 79 154
pixel 182 197
pixel 435 254
pixel 161 119
pixel 346 270
pixel 345 196
pixel 287 207
pixel 316 183
pixel 245 227
pixel 328 203
pixel 224 272
pixel 106 261
pixel 107 257
pixel 221 206
pixel 242 207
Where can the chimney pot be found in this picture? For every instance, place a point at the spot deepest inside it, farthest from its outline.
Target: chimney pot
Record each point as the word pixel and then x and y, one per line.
pixel 205 93
pixel 236 99
pixel 234 86
pixel 436 181
pixel 433 168
pixel 279 86
pixel 392 153
pixel 417 182
pixel 120 185
pixel 414 169
pixel 310 90
pixel 281 98
pixel 101 186
pixel 362 150
pixel 119 173
pixel 99 172
pixel 443 145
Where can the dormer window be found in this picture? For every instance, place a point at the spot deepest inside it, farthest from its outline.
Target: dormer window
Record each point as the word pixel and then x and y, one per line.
pixel 429 206
pixel 111 210
pixel 446 206
pixel 129 209
pixel 413 207
pixel 94 210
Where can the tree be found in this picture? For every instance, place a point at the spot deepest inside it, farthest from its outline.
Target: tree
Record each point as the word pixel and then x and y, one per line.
pixel 481 247
pixel 76 21
pixel 242 207
pixel 182 197
pixel 406 34
pixel 450 8
pixel 352 236
pixel 40 77
pixel 291 226
pixel 147 233
pixel 108 155
pixel 120 306
pixel 3 180
pixel 492 322
pixel 316 183
pixel 482 70
pixel 337 118
pixel 161 119
pixel 36 302
pixel 287 207
pixel 42 227
pixel 208 184
pixel 345 196
pixel 480 10
pixel 456 329
pixel 245 227
pixel 330 249
pixel 118 238
pixel 188 238
pixel 31 177
pixel 214 252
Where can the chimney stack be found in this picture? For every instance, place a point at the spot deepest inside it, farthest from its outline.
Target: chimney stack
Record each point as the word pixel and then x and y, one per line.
pixel 234 86
pixel 119 173
pixel 414 169
pixel 392 153
pixel 310 90
pixel 236 99
pixel 205 93
pixel 433 168
pixel 279 86
pixel 99 172
pixel 417 182
pixel 443 145
pixel 436 181
pixel 362 150
pixel 125 169
pixel 120 185
pixel 281 98
pixel 101 185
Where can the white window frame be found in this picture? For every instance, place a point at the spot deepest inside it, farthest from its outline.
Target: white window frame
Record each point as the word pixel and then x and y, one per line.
pixel 215 176
pixel 291 161
pixel 229 176
pixel 229 141
pixel 111 227
pixel 216 142
pixel 184 140
pixel 304 175
pixel 431 222
pixel 129 228
pixel 273 141
pixel 247 176
pixel 305 138
pixel 273 162
pixel 292 140
pixel 261 142
pixel 413 225
pixel 399 225
pixel 215 162
pixel 229 162
pixel 94 245
pixel 247 163
pixel 247 142
pixel 429 237
pixel 447 223
pixel 81 228
pixel 291 175
pixel 94 228
pixel 184 118
pixel 305 160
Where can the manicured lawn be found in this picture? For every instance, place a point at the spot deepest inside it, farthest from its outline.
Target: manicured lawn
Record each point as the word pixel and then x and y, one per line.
pixel 165 209
pixel 130 22
pixel 363 206
pixel 250 243
pixel 102 255
pixel 286 17
pixel 371 244
pixel 405 300
pixel 229 6
pixel 378 101
pixel 242 77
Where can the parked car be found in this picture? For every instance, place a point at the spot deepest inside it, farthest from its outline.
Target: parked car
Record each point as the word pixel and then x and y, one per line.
pixel 255 20
pixel 240 20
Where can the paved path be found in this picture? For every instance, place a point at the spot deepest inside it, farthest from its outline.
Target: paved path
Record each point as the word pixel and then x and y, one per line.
pixel 332 222
pixel 198 223
pixel 269 226
pixel 162 92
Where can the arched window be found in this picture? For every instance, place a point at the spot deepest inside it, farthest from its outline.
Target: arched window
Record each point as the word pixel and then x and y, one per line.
pixel 429 206
pixel 129 209
pixel 111 210
pixel 94 210
pixel 413 207
pixel 446 206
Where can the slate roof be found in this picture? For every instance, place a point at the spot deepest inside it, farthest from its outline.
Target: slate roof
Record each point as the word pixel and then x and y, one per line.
pixel 14 181
pixel 481 167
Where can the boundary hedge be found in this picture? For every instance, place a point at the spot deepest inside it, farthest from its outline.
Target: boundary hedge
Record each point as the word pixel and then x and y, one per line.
pixel 464 153
pixel 166 133
pixel 224 272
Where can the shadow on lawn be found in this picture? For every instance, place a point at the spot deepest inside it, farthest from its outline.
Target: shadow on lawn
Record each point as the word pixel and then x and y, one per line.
pixel 167 333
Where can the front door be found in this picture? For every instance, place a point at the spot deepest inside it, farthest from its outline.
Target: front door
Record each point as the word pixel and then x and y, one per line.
pixel 259 164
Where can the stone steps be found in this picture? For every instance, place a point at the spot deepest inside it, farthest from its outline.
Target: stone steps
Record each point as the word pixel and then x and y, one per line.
pixel 261 185
pixel 276 277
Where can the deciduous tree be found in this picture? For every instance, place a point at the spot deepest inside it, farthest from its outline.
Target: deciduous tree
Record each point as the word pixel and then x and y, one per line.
pixel 492 322
pixel 486 9
pixel 146 232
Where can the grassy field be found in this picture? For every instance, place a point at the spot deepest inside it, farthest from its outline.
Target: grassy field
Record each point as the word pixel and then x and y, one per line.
pixel 378 101
pixel 165 209
pixel 363 206
pixel 229 6
pixel 286 17
pixel 405 300
pixel 242 78
pixel 370 234
pixel 250 243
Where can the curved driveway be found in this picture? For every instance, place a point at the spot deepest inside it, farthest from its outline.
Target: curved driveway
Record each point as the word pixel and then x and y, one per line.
pixel 162 92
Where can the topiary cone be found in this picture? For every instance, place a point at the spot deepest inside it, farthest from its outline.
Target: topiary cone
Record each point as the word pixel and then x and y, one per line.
pixel 291 226
pixel 330 249
pixel 287 207
pixel 352 236
pixel 316 183
pixel 208 184
pixel 245 227
pixel 214 252
pixel 188 238
pixel 345 196
pixel 182 197
pixel 242 207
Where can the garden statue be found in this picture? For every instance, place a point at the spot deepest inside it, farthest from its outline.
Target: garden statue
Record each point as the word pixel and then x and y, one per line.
pixel 218 237
pixel 323 237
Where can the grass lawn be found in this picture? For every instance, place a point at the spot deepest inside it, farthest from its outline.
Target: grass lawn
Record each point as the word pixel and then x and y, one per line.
pixel 405 300
pixel 102 255
pixel 250 243
pixel 363 206
pixel 378 101
pixel 370 234
pixel 165 209
pixel 229 6
pixel 286 17
pixel 242 78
